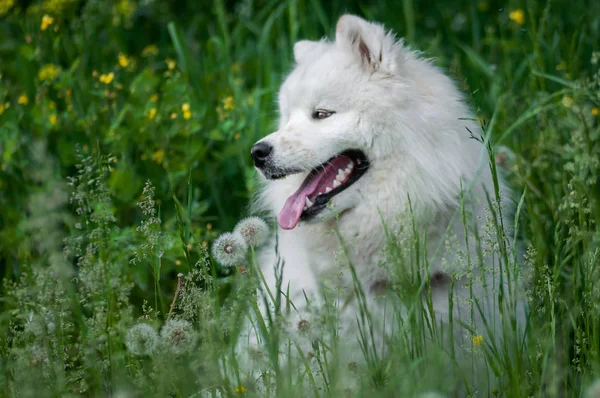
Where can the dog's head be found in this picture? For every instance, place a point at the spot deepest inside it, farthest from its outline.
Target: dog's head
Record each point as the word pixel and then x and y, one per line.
pixel 345 106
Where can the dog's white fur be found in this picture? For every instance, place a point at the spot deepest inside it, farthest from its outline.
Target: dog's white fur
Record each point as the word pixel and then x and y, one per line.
pixel 413 125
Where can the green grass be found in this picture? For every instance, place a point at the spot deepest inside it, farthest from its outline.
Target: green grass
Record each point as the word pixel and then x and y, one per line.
pixel 194 88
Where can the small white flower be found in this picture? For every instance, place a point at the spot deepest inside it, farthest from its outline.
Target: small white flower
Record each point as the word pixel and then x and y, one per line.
pixel 254 230
pixel 178 336
pixel 141 339
pixel 229 249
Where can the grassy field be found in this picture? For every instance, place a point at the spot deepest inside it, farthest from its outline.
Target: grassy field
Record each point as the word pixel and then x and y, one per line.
pixel 125 129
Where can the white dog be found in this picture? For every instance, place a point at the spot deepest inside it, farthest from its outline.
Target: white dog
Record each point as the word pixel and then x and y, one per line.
pixel 365 124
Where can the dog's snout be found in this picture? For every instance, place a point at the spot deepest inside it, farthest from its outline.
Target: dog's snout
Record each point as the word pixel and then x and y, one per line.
pixel 260 153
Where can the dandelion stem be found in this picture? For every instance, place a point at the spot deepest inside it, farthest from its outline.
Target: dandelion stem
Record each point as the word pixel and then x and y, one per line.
pixel 179 285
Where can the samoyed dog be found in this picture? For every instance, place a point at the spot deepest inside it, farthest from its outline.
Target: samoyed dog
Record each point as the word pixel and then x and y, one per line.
pixel 367 130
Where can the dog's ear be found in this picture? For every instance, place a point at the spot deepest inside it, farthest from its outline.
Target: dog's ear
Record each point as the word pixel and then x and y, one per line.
pixel 303 48
pixel 368 40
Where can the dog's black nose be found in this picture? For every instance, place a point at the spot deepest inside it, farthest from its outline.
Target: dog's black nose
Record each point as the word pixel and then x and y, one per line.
pixel 260 152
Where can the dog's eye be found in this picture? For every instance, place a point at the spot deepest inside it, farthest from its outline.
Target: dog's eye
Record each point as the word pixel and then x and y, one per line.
pixel 322 114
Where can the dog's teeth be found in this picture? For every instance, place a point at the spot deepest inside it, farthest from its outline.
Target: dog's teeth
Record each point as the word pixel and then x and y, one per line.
pixel 327 190
pixel 308 202
pixel 336 184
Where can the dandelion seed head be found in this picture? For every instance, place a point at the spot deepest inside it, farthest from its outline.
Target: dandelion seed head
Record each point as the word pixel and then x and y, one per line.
pixel 178 336
pixel 141 339
pixel 229 249
pixel 254 230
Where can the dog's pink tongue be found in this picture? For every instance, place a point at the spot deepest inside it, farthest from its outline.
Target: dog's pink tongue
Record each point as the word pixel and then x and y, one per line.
pixel 293 207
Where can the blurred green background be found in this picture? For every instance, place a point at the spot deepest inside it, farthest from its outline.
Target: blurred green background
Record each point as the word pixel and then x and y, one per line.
pixel 178 91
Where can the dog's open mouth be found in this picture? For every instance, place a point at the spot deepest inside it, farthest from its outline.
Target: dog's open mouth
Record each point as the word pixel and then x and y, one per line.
pixel 322 184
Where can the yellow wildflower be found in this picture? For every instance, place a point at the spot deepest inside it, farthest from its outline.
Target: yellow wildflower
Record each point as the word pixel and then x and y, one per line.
pixel 561 66
pixel 123 60
pixel 23 100
pixel 6 5
pixel 170 63
pixel 152 113
pixel 567 101
pixel 47 20
pixel 107 78
pixel 48 72
pixel 154 98
pixel 173 115
pixel 517 16
pixel 177 262
pixel 158 156
pixel 125 8
pixel 240 389
pixel 477 340
pixel 189 246
pixel 595 111
pixel 228 104
pixel 2 108
pixel 209 226
pixel 236 136
pixel 53 119
pixel 150 50
pixel 187 113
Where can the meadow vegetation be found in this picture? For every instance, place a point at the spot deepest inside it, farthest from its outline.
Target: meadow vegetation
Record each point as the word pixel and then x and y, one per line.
pixel 125 129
